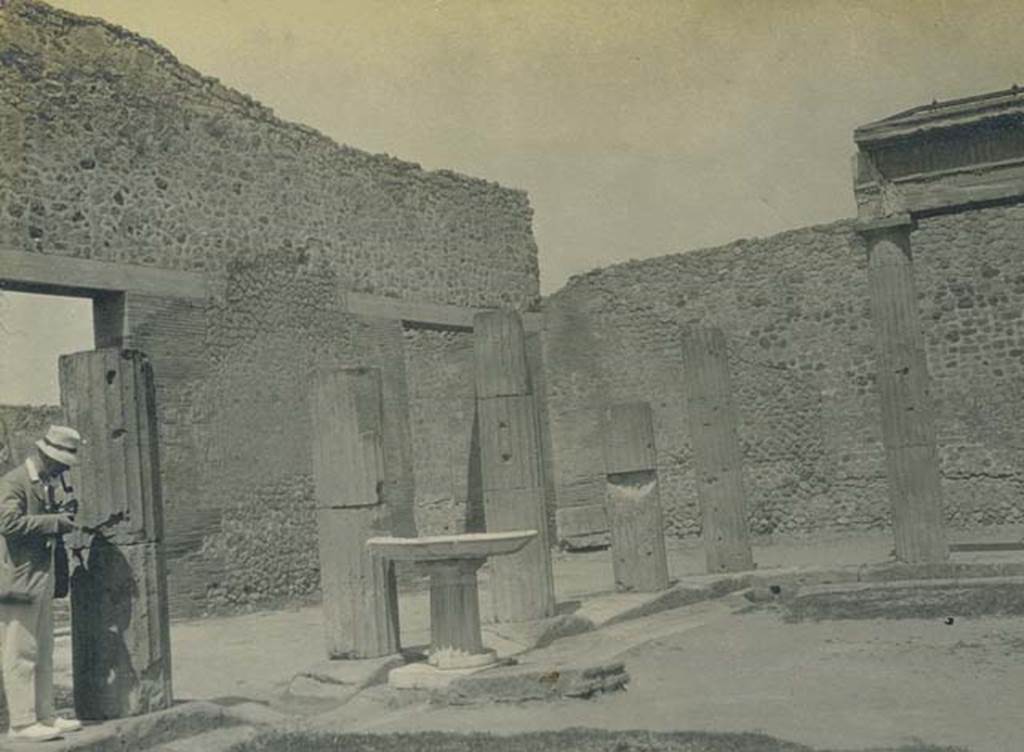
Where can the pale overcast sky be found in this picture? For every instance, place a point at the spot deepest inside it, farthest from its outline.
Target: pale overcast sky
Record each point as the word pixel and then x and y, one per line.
pixel 638 128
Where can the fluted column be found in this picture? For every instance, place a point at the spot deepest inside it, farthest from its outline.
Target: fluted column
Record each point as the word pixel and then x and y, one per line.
pixel 908 425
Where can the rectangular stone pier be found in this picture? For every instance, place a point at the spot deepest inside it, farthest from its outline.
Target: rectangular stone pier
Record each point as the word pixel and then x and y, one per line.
pixel 360 594
pixel 632 499
pixel 512 471
pixel 718 462
pixel 120 625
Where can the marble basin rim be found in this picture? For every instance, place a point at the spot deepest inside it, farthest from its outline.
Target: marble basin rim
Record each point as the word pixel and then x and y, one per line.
pixel 447 547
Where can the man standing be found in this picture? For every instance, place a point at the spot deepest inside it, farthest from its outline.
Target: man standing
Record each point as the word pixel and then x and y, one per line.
pixel 28 527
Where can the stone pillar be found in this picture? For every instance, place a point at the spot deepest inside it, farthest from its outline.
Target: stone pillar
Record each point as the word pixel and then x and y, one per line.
pixel 632 499
pixel 120 634
pixel 908 426
pixel 718 462
pixel 522 584
pixel 360 594
pixel 455 637
pixel 381 344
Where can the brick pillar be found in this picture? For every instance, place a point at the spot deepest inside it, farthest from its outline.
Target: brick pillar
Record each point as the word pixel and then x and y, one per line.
pixel 908 426
pixel 120 630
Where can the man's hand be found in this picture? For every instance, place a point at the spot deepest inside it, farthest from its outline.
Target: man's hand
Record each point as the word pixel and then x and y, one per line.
pixel 65 524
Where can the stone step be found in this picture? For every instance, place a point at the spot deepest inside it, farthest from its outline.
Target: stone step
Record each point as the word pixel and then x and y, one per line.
pixel 946 599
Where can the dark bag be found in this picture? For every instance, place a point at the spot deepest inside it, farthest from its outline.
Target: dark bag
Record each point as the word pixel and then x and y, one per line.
pixel 61 570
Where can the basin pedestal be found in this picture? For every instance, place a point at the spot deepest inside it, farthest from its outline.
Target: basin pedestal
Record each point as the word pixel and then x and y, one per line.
pixel 455 637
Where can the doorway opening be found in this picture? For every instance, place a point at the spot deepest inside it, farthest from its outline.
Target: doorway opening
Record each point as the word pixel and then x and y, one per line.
pixel 35 329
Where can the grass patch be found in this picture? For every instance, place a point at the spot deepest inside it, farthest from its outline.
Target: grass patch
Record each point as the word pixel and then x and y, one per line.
pixel 569 740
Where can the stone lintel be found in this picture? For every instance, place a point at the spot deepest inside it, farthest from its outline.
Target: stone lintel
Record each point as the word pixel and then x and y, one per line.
pixel 905 222
pixel 423 313
pixel 51 273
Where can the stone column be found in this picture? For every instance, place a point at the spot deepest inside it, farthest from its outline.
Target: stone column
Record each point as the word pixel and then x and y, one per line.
pixel 522 584
pixel 908 426
pixel 718 462
pixel 632 499
pixel 120 630
pixel 360 595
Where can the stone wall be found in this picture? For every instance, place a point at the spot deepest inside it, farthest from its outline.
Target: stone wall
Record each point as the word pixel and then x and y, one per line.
pixel 794 308
pixel 115 151
pixel 20 427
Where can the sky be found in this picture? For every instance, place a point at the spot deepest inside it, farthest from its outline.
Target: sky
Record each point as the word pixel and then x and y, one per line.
pixel 638 128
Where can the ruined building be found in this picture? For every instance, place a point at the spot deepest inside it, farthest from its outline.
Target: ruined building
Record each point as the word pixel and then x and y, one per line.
pixel 795 308
pixel 241 253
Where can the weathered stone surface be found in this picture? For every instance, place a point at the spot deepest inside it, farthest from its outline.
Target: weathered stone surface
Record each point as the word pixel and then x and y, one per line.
pixel 120 632
pixel 511 467
pixel 908 425
pixel 582 526
pixel 424 676
pixel 360 590
pixel 120 620
pixel 360 596
pixel 718 460
pixel 522 684
pixel 109 396
pixel 632 499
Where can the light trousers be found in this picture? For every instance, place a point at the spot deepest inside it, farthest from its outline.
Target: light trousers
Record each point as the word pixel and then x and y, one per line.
pixel 28 658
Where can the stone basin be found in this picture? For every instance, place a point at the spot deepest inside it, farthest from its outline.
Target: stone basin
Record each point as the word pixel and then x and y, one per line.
pixel 456 642
pixel 448 547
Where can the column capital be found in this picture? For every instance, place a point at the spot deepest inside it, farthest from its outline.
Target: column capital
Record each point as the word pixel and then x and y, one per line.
pixel 890 224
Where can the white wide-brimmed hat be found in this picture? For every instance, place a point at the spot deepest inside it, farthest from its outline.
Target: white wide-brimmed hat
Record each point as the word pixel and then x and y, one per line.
pixel 61 444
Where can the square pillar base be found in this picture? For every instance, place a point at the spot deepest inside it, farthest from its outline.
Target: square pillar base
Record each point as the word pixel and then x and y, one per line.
pixel 425 676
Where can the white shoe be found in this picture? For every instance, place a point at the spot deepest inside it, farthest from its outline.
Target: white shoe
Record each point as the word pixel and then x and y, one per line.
pixel 64 725
pixel 37 732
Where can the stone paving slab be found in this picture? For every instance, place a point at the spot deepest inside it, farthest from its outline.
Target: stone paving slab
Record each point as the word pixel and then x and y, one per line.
pixel 533 682
pixel 427 677
pixel 138 733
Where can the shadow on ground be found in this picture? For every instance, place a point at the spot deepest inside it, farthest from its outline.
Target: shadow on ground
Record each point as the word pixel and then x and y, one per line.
pixel 569 740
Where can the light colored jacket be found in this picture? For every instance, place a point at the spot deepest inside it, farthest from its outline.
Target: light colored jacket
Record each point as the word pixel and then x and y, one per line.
pixel 27 531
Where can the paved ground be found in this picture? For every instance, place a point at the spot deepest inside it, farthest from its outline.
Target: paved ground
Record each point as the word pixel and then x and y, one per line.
pixel 843 685
pixel 832 684
pixel 253 655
